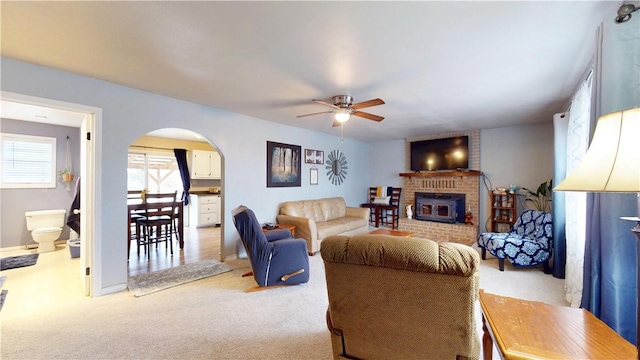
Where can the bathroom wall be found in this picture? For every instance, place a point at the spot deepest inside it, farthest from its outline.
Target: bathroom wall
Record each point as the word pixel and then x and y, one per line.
pixel 14 202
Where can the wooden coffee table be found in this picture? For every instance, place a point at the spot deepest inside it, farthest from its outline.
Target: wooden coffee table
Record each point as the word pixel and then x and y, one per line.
pixel 523 329
pixel 392 232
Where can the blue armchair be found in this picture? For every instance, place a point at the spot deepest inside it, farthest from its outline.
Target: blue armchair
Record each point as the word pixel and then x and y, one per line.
pixel 276 258
pixel 529 243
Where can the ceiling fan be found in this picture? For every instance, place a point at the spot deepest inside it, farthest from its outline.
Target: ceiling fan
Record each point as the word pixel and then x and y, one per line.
pixel 343 108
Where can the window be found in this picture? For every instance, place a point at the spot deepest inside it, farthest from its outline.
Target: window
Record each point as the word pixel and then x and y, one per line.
pixel 28 161
pixel 158 172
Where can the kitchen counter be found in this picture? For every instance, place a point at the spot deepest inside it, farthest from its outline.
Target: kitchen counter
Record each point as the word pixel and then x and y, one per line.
pixel 204 208
pixel 203 193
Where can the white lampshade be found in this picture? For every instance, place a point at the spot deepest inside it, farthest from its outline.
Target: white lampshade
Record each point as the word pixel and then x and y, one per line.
pixel 612 163
pixel 342 115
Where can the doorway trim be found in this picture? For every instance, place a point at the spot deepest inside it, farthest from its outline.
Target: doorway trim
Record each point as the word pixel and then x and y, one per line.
pixel 92 242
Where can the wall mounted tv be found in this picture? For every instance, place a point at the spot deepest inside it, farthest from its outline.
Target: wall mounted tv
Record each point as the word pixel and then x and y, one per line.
pixel 440 154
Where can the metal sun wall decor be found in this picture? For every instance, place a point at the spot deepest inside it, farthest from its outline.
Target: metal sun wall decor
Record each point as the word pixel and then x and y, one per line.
pixel 336 167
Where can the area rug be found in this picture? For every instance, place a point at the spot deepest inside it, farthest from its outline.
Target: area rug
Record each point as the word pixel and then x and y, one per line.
pixel 13 262
pixel 145 284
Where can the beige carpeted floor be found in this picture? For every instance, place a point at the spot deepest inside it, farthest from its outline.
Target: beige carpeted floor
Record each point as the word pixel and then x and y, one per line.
pixel 46 317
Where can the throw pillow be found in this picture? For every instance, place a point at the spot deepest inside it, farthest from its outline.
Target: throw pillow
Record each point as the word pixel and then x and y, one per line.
pixel 382 200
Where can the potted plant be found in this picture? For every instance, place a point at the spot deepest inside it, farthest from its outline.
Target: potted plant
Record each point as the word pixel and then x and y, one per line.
pixel 67 175
pixel 541 198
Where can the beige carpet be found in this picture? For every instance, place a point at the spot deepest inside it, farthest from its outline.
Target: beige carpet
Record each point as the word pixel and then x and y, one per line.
pixel 212 318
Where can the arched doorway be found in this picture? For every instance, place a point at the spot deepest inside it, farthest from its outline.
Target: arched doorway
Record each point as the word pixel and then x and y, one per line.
pixel 153 167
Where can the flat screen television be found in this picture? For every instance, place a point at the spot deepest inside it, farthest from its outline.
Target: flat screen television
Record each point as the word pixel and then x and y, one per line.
pixel 440 154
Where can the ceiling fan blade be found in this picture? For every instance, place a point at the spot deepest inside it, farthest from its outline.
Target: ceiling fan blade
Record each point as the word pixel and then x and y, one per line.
pixel 364 104
pixel 367 116
pixel 318 113
pixel 324 103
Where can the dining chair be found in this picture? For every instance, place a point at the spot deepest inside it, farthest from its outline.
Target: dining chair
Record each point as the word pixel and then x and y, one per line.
pixel 133 196
pixel 375 199
pixel 391 214
pixel 384 204
pixel 158 222
pixel 372 196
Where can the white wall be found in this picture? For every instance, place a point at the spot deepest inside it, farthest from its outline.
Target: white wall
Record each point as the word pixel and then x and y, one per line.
pixel 128 114
pixel 520 155
pixel 517 154
pixel 387 159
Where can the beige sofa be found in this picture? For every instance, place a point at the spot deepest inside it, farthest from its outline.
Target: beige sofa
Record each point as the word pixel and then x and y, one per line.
pixel 401 298
pixel 317 219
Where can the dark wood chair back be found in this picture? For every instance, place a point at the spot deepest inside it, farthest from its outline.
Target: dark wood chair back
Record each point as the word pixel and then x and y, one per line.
pixel 158 222
pixel 395 197
pixel 372 194
pixel 160 197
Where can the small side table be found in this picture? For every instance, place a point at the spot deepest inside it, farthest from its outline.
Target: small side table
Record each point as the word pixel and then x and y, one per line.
pixel 523 329
pixel 291 228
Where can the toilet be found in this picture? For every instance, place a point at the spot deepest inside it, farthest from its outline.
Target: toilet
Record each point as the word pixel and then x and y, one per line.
pixel 46 227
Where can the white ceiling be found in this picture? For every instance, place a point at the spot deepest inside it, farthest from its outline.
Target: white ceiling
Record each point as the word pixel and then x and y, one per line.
pixel 439 66
pixel 34 113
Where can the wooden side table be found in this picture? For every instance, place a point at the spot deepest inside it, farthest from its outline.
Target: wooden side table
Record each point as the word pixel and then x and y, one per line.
pixel 523 329
pixel 291 228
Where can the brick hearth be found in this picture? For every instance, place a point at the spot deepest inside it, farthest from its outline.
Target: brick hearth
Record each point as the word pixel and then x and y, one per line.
pixel 437 231
pixel 440 232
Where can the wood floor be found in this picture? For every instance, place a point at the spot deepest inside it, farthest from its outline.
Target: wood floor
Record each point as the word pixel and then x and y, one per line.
pixel 199 244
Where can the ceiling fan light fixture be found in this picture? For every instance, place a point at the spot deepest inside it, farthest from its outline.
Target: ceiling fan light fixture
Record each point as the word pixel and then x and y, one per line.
pixel 342 115
pixel 624 12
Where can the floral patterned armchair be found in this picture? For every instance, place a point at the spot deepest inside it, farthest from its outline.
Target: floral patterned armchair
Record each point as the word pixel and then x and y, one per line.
pixel 529 243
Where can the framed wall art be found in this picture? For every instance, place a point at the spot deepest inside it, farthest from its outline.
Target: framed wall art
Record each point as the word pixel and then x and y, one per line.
pixel 283 164
pixel 313 176
pixel 313 156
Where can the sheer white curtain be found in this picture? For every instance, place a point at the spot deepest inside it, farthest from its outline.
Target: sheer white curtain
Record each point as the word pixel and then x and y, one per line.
pixel 575 204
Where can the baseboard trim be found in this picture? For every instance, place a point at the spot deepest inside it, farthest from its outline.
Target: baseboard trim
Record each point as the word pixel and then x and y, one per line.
pixel 231 257
pixel 112 289
pixel 31 245
pixel 19 247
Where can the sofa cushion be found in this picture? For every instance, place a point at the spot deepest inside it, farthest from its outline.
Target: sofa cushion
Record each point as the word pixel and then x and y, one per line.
pixel 333 208
pixel 338 226
pixel 305 208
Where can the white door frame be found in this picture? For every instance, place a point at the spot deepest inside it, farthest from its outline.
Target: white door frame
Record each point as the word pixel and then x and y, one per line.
pixel 91 243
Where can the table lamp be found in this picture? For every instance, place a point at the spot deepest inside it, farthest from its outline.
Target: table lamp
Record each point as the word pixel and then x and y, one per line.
pixel 612 164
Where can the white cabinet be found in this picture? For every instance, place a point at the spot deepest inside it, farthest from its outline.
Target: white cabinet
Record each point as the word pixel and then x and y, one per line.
pixel 205 164
pixel 205 210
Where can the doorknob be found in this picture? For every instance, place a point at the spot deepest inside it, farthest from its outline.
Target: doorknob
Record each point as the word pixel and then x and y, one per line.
pixel 76 211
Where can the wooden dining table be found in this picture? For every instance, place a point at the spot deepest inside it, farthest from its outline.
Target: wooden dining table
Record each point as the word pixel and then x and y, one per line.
pixel 377 211
pixel 136 205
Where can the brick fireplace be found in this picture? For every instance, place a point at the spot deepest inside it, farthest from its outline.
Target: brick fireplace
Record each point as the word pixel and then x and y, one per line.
pixel 446 183
pixel 449 208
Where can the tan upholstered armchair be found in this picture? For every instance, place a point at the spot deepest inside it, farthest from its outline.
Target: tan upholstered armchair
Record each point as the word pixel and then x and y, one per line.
pixel 400 298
